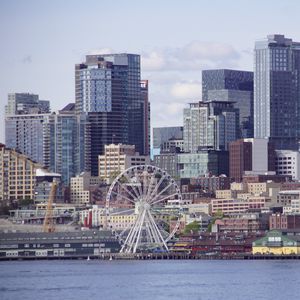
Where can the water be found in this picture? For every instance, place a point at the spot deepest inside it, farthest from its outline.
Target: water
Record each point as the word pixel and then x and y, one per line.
pixel 145 280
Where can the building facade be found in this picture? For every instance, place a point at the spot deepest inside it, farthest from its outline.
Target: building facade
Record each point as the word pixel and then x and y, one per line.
pixel 118 158
pixel 17 176
pixel 30 135
pixel 162 135
pixel 168 161
pixel 109 90
pixel 288 163
pixel 80 187
pixel 234 86
pixel 277 91
pixel 209 125
pixel 193 165
pixel 25 103
pixel 251 156
pixel 69 144
pixel 58 141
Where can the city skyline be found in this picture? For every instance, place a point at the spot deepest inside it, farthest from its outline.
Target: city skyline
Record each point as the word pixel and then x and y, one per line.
pixel 42 45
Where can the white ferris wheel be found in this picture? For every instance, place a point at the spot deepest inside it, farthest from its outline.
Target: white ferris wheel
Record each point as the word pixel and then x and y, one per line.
pixel 142 195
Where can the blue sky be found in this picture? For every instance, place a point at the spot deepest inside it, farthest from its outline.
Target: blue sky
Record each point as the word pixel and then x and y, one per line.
pixel 41 41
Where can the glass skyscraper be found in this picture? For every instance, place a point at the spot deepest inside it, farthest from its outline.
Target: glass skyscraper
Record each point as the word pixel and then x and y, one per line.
pixel 56 141
pixel 235 86
pixel 109 91
pixel 277 91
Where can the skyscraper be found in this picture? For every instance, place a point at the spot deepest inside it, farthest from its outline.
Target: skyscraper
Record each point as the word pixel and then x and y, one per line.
pixel 30 135
pixel 25 103
pixel 68 143
pixel 235 86
pixel 277 91
pixel 147 119
pixel 210 125
pixel 57 141
pixel 108 89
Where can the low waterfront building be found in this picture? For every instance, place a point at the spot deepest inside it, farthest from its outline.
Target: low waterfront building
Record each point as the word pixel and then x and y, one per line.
pixel 282 221
pixel 216 243
pixel 240 223
pixel 57 244
pixel 276 243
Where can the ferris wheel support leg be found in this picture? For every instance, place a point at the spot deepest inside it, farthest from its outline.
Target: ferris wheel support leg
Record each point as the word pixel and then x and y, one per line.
pixel 129 236
pixel 154 234
pixel 139 232
pixel 155 226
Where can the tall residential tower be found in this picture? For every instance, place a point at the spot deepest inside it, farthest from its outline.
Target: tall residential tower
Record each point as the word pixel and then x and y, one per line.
pixel 109 91
pixel 277 91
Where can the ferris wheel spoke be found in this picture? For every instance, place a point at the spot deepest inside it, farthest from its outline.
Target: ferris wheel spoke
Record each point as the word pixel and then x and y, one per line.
pixel 164 199
pixel 139 182
pixel 145 183
pixel 137 195
pixel 161 192
pixel 157 186
pixel 122 196
pixel 124 187
pixel 122 212
pixel 151 183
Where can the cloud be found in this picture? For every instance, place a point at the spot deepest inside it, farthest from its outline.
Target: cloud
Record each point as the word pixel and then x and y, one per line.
pixel 27 59
pixel 153 61
pixel 195 55
pixel 186 90
pixel 208 51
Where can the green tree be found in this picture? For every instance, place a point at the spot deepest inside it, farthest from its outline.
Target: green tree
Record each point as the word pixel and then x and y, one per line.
pixel 192 227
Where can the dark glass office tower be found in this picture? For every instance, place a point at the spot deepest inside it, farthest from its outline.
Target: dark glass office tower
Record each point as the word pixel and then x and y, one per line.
pixel 231 86
pixel 277 91
pixel 108 89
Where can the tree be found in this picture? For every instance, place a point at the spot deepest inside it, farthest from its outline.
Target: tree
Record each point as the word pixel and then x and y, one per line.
pixel 192 227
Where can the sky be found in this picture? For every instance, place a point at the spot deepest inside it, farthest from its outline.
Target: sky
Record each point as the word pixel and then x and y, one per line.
pixel 41 41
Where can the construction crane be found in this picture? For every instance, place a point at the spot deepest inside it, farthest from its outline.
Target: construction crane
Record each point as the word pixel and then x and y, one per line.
pixel 49 225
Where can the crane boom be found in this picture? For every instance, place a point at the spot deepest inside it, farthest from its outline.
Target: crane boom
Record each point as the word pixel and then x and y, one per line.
pixel 49 222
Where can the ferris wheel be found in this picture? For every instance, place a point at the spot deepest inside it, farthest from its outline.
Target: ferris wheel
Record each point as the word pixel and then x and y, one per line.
pixel 140 198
